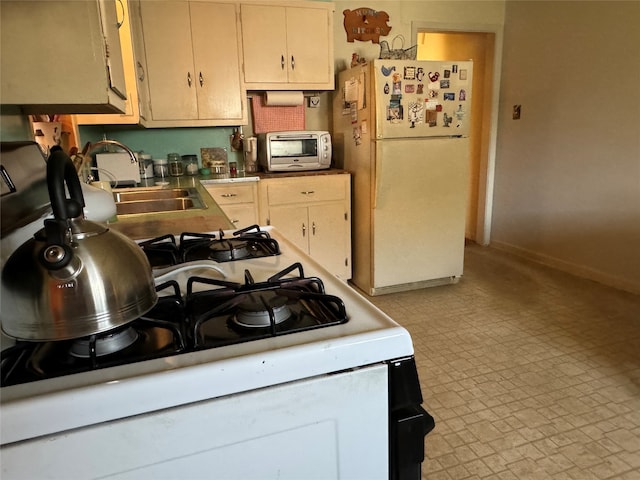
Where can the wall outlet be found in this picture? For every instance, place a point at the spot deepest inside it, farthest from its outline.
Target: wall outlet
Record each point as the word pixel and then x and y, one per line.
pixel 516 112
pixel 314 102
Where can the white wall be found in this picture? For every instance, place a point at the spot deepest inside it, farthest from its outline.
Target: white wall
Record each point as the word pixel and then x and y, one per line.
pixel 567 184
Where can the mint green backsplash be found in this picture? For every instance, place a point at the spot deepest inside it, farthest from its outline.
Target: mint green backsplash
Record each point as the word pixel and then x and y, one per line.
pixel 160 141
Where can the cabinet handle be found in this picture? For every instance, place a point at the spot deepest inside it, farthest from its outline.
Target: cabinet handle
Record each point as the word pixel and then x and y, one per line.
pixel 282 62
pixel 120 23
pixel 308 192
pixel 140 72
pixel 228 195
pixel 234 221
pixel 313 227
pixel 189 79
pixel 293 63
pixel 304 230
pixel 201 79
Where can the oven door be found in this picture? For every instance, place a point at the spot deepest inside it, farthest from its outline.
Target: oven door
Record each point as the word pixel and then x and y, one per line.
pixel 331 426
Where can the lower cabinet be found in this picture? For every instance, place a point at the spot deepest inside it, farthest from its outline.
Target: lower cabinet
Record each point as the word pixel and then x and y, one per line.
pixel 314 212
pixel 238 201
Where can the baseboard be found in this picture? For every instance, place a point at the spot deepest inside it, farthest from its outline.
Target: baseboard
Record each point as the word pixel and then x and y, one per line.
pixel 568 267
pixel 405 287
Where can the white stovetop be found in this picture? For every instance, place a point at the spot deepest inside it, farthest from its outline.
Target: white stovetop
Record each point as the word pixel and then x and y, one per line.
pixel 58 404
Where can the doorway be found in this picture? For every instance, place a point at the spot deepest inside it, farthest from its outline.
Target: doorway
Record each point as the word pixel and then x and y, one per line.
pixel 454 43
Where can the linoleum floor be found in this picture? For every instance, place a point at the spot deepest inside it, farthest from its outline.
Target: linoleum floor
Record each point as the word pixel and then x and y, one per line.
pixel 530 373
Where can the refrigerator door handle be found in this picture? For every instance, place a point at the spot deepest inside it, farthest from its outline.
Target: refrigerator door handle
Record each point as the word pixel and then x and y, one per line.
pixel 378 177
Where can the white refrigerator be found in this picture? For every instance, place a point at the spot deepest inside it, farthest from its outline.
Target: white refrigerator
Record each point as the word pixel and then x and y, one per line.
pixel 401 127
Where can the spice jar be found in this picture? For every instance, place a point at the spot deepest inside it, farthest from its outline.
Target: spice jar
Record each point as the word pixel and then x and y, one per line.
pixel 190 164
pixel 175 165
pixel 160 167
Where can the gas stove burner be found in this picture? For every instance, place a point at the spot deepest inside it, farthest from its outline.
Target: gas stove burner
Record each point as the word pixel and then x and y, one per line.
pixel 104 344
pixel 250 242
pixel 224 250
pixel 257 310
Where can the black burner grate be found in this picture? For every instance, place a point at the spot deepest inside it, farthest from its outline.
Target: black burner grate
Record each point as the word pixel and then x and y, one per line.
pixel 250 242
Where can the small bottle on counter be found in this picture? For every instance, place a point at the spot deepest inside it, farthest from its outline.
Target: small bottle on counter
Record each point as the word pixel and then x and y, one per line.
pixel 190 164
pixel 233 169
pixel 175 165
pixel 160 167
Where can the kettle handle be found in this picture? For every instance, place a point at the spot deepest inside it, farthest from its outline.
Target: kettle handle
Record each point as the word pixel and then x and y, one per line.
pixel 56 254
pixel 60 170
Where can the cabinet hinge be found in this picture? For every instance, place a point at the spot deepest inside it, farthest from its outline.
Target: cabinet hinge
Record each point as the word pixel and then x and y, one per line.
pixel 346 217
pixel 268 221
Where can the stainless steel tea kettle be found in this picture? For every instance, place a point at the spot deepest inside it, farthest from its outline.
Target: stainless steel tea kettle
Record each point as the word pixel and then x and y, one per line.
pixel 75 278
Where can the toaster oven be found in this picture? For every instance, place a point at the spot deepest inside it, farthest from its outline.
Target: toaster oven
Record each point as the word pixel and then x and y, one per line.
pixel 294 151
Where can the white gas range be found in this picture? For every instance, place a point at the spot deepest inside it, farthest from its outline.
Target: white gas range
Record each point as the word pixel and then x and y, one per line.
pixel 311 404
pixel 339 401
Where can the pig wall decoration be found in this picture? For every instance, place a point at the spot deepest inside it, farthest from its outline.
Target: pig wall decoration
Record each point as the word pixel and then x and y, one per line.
pixel 366 24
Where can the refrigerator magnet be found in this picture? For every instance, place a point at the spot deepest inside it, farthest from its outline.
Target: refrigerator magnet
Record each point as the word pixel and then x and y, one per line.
pixel 460 113
pixel 433 92
pixel 432 118
pixel 420 89
pixel 438 108
pixel 397 88
pixel 386 71
pixel 386 88
pixel 449 96
pixel 446 120
pixel 433 76
pixel 395 114
pixel 409 73
pixel 409 88
pixel 462 96
pixel 444 83
pixel 416 113
pixel 454 68
pixel 463 74
pixel 447 73
pixel 420 74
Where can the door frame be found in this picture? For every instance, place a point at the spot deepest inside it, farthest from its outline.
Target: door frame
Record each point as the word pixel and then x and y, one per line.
pixel 487 166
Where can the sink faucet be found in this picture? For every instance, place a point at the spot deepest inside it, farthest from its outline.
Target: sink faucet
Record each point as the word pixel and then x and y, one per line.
pixel 82 164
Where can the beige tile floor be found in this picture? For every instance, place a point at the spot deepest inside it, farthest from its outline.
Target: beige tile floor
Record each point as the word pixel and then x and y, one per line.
pixel 529 372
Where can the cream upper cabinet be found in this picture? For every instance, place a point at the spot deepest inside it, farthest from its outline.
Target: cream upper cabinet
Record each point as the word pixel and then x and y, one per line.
pixel 288 47
pixel 62 56
pixel 188 63
pixel 314 212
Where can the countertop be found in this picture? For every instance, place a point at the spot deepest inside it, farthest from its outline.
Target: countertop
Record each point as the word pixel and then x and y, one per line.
pixel 209 219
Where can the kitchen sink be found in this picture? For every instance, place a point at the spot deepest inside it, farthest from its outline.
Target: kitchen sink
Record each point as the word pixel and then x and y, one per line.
pixel 151 194
pixel 137 201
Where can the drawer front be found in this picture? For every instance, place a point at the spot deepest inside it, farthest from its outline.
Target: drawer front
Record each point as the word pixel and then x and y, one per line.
pixel 307 190
pixel 231 194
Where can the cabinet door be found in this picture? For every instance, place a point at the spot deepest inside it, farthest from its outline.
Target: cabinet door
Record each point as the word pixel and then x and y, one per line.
pixel 328 237
pixel 293 223
pixel 308 43
pixel 55 57
pixel 214 33
pixel 131 114
pixel 264 43
pixel 241 215
pixel 169 60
